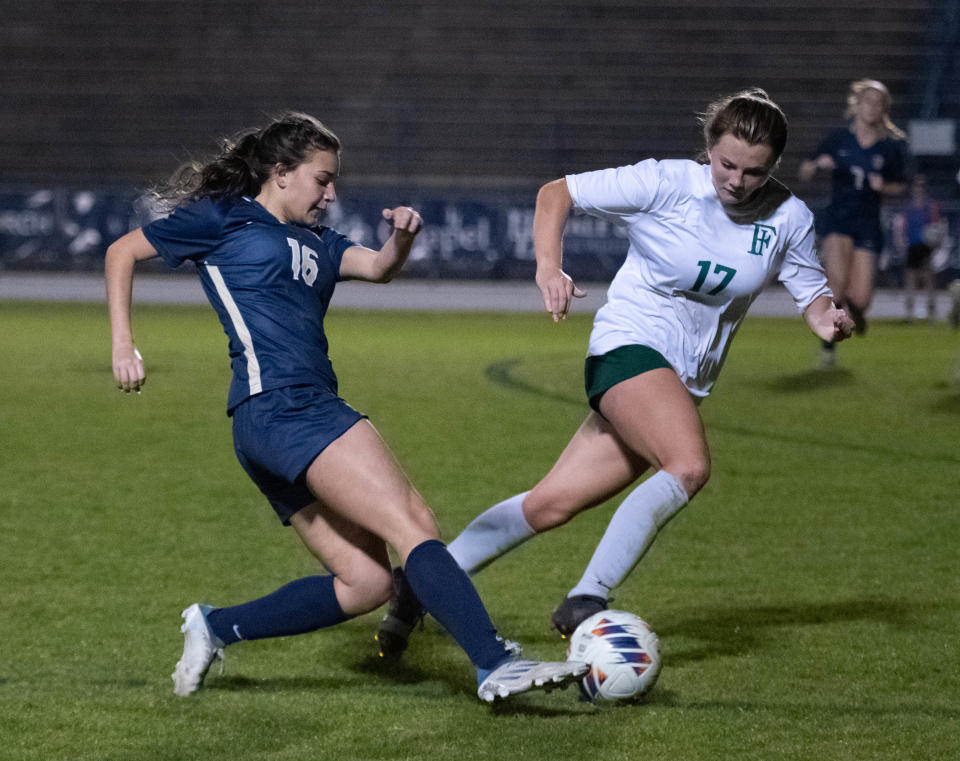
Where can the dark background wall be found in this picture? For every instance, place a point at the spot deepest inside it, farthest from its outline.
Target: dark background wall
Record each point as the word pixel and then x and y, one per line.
pixel 460 107
pixel 507 93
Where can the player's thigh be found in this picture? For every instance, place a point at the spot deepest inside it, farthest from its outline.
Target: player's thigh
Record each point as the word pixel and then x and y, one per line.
pixel 358 478
pixel 859 289
pixel 655 416
pixel 356 557
pixel 594 466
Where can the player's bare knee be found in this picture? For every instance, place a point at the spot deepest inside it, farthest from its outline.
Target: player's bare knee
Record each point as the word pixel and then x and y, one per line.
pixel 409 523
pixel 421 517
pixel 545 511
pixel 692 474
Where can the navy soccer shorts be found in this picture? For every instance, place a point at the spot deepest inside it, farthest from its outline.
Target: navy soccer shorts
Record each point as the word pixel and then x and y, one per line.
pixel 918 256
pixel 865 231
pixel 279 433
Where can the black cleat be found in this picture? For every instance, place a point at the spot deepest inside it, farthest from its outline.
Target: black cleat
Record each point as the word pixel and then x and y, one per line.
pixel 403 613
pixel 573 610
pixel 858 317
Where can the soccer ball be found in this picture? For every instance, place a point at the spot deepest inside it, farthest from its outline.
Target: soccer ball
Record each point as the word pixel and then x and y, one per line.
pixel 623 653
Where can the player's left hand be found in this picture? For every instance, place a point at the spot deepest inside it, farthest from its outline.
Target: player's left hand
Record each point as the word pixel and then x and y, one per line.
pixel 875 180
pixel 128 370
pixel 404 219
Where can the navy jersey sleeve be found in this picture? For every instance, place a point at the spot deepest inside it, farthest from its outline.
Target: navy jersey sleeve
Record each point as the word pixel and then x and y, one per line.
pixel 189 233
pixel 334 244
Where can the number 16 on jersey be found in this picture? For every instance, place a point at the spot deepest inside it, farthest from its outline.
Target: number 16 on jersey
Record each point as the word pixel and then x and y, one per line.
pixel 304 262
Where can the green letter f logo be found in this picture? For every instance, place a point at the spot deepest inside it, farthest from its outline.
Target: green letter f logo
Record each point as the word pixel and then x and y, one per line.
pixel 762 237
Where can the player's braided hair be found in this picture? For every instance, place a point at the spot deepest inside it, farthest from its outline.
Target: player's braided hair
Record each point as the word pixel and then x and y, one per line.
pixel 246 160
pixel 749 115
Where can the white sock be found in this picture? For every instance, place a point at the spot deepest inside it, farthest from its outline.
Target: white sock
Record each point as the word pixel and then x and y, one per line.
pixel 491 534
pixel 630 533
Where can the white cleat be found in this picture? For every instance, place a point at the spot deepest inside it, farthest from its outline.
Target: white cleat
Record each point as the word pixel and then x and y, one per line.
pixel 516 676
pixel 199 651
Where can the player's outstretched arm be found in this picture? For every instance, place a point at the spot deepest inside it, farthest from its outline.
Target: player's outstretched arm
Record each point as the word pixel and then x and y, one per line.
pixel 549 219
pixel 828 321
pixel 122 256
pixel 809 167
pixel 360 263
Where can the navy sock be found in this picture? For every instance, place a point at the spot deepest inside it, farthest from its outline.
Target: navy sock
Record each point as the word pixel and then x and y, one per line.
pixel 301 606
pixel 449 596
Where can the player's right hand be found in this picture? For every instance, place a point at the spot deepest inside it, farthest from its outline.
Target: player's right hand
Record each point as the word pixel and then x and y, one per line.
pixel 557 289
pixel 825 161
pixel 128 369
pixel 404 219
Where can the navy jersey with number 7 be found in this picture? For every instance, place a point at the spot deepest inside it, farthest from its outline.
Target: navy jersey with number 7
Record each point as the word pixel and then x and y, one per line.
pixel 269 282
pixel 853 197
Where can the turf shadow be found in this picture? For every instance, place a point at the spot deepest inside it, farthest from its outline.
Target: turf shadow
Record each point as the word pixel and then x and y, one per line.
pixel 236 683
pixel 396 670
pixel 737 631
pixel 811 380
pixel 401 673
pixel 522 705
pixel 948 404
pixel 518 705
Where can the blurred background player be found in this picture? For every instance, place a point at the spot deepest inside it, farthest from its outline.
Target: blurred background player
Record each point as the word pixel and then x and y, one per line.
pixel 919 230
pixel 953 289
pixel 705 238
pixel 867 159
pixel 248 221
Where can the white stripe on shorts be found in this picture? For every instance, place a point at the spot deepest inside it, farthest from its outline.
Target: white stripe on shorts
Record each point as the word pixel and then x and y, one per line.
pixel 253 364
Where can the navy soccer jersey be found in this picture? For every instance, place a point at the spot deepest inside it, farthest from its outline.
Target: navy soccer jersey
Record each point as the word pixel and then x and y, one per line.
pixel 853 198
pixel 269 282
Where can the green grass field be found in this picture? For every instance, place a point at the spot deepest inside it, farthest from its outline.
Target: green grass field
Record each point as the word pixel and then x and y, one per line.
pixel 807 602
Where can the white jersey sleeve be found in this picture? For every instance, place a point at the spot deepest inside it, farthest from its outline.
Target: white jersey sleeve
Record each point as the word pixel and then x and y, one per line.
pixel 801 272
pixel 618 193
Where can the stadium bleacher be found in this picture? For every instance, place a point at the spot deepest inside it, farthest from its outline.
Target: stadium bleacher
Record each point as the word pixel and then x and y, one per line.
pixel 445 96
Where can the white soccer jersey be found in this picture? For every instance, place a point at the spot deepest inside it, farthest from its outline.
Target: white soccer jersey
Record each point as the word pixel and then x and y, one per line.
pixel 691 272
